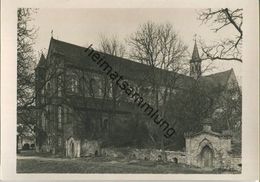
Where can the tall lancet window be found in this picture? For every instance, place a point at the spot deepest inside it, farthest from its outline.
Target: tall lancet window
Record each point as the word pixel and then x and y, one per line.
pixel 48 89
pixel 65 114
pixel 82 86
pixel 59 117
pixel 73 83
pixel 43 121
pixel 59 85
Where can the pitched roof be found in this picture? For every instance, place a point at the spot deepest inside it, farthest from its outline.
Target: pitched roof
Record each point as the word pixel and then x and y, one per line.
pixel 217 79
pixel 129 69
pixel 76 55
pixel 42 61
pixel 191 135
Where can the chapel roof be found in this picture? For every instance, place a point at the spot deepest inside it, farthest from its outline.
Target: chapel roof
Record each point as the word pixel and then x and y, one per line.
pixel 42 61
pixel 191 134
pixel 216 79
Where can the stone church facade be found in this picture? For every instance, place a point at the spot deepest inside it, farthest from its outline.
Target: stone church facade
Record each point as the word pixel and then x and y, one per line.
pixel 71 101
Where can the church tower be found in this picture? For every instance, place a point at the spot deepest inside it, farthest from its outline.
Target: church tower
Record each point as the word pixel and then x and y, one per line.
pixel 195 63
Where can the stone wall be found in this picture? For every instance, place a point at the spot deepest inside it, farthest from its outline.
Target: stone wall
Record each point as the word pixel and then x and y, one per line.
pixel 90 148
pixel 109 152
pixel 157 155
pixel 236 163
pixel 146 154
pixel 176 156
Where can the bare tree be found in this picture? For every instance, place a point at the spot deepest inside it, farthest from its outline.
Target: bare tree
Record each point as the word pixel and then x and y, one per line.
pixel 111 45
pixel 25 55
pixel 26 60
pixel 159 46
pixel 229 49
pixel 229 111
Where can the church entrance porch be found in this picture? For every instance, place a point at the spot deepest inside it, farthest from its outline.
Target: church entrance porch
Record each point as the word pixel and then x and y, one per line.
pixel 207 149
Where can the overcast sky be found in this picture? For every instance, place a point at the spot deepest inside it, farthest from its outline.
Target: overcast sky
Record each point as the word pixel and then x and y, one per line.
pixel 84 26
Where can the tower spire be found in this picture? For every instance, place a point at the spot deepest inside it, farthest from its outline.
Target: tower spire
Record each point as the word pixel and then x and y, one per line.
pixel 195 62
pixel 195 37
pixel 195 54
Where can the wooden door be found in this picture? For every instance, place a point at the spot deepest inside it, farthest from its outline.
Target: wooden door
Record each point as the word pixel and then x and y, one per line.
pixel 207 157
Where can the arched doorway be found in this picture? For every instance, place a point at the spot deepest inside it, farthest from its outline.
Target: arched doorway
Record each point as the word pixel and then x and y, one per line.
pixel 207 157
pixel 72 149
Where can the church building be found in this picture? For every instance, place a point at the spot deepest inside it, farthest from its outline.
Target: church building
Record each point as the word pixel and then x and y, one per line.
pixel 77 106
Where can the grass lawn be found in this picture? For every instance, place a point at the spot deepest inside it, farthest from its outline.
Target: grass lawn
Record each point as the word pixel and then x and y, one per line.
pixel 36 164
pixel 85 166
pixel 31 162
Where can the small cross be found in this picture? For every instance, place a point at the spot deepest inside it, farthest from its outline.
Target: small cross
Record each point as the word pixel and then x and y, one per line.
pixel 195 36
pixel 51 33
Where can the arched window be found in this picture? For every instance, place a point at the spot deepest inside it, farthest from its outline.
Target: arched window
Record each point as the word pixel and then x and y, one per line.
pixel 105 124
pixel 110 89
pixel 59 141
pixel 47 115
pixel 59 117
pixel 43 121
pixel 65 114
pixel 92 87
pixel 82 85
pixel 59 85
pixel 96 86
pixel 48 89
pixel 42 96
pixel 69 114
pixel 73 83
